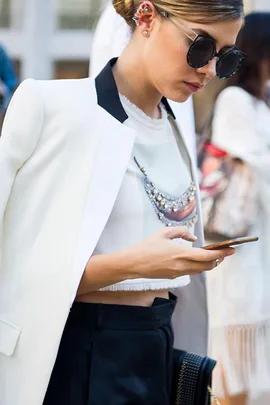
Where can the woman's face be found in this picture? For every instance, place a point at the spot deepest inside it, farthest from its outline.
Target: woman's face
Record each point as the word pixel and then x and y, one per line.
pixel 165 54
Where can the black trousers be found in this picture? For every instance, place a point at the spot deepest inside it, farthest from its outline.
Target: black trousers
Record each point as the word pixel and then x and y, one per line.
pixel 114 355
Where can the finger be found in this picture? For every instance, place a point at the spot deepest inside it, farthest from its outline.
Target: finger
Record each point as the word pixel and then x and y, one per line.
pixel 180 232
pixel 202 255
pixel 223 253
pixel 187 267
pixel 214 264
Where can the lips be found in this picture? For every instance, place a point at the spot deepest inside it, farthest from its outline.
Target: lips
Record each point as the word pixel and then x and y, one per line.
pixel 199 85
pixel 194 86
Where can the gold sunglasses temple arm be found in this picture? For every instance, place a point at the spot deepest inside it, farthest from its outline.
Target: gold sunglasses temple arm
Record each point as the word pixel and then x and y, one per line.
pixel 177 26
pixel 167 15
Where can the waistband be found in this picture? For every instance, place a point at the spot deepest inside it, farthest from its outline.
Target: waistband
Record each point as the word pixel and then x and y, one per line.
pixel 110 316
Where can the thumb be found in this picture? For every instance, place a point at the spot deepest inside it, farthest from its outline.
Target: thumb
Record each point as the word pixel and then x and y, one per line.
pixel 180 232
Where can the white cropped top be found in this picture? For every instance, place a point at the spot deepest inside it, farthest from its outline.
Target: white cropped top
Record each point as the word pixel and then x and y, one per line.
pixel 142 206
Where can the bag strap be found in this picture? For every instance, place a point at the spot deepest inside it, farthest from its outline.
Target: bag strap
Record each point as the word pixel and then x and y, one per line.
pixel 204 138
pixel 180 143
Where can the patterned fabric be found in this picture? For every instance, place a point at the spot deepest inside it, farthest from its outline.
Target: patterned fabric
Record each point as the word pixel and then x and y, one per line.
pixel 238 292
pixel 228 193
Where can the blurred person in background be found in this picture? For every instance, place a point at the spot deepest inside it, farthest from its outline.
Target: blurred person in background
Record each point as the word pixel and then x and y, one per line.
pixel 239 298
pixel 8 81
pixel 99 205
pixel 268 93
pixel 111 36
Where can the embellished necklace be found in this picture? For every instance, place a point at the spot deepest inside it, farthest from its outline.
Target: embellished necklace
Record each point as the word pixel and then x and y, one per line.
pixel 172 211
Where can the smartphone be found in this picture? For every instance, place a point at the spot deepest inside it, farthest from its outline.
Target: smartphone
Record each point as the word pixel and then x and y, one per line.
pixel 231 243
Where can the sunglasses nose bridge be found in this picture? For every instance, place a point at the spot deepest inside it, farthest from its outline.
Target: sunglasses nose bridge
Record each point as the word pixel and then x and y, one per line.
pixel 210 69
pixel 215 57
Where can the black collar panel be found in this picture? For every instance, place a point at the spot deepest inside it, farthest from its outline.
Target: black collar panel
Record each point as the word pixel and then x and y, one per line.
pixel 108 96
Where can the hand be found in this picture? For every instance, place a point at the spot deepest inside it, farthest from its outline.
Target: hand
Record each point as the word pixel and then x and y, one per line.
pixel 159 257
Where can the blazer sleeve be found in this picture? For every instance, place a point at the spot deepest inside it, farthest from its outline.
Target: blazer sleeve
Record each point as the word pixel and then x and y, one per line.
pixel 234 129
pixel 20 134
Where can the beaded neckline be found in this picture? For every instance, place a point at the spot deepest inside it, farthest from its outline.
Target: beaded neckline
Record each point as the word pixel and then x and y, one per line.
pixel 135 111
pixel 172 211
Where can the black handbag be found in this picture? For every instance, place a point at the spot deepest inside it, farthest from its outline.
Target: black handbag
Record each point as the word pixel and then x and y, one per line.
pixel 192 379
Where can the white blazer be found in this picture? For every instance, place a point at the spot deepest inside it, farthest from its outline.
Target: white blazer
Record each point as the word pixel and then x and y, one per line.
pixel 112 35
pixel 63 154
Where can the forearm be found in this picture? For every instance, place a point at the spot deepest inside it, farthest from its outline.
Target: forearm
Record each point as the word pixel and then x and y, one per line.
pixel 104 270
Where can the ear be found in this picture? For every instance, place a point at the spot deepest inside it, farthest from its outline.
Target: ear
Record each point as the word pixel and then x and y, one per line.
pixel 146 16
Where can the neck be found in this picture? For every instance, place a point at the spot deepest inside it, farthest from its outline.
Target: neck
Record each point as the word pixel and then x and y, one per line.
pixel 131 80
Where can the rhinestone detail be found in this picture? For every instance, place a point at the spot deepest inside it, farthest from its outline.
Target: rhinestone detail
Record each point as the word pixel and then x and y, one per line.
pixel 168 207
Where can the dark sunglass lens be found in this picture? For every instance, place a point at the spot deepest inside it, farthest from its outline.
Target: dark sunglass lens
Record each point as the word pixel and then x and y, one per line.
pixel 228 64
pixel 201 52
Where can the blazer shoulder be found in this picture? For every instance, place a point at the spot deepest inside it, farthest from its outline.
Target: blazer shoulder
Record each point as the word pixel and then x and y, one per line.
pixel 26 98
pixel 64 86
pixel 66 94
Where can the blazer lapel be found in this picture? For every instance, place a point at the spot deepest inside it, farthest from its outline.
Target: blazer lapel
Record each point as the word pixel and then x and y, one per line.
pixel 114 152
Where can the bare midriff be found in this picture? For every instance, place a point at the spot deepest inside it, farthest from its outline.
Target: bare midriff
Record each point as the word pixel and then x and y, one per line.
pixel 135 298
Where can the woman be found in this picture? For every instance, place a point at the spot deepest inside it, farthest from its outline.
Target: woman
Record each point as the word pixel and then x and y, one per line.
pixel 81 219
pixel 239 298
pixel 111 37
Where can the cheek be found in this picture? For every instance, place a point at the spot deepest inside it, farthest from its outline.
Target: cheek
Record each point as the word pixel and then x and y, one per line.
pixel 167 60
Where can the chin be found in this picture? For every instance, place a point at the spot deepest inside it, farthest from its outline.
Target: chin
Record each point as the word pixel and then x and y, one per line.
pixel 176 92
pixel 178 97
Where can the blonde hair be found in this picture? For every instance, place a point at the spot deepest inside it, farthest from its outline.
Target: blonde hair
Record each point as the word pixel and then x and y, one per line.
pixel 201 11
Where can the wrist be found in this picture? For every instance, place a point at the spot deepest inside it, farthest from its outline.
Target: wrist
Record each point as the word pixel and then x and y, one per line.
pixel 107 269
pixel 126 262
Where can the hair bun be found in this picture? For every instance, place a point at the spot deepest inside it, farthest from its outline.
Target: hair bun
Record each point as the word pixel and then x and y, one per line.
pixel 126 8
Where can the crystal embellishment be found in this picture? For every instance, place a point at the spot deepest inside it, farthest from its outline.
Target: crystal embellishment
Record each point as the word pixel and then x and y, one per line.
pixel 172 211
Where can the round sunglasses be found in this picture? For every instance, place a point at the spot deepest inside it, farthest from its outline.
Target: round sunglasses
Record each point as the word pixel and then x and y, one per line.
pixel 203 49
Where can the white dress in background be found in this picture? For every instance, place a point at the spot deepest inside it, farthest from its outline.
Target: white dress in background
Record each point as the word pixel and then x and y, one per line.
pixel 239 290
pixel 111 37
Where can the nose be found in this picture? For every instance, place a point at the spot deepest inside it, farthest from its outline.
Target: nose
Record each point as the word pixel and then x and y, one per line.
pixel 209 70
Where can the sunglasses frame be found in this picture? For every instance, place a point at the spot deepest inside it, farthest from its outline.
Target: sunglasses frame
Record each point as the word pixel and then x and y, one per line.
pixel 242 58
pixel 220 56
